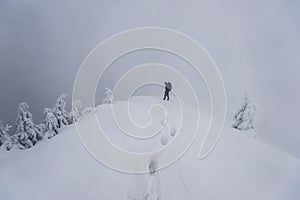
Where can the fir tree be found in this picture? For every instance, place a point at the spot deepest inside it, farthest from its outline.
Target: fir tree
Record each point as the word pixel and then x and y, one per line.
pixel 244 118
pixel 109 98
pixel 74 115
pixel 60 112
pixel 27 132
pixel 51 123
pixel 5 139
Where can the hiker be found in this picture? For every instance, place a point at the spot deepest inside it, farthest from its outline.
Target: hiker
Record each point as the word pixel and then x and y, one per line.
pixel 168 88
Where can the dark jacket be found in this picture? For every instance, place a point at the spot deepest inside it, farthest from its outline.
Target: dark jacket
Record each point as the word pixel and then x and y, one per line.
pixel 168 85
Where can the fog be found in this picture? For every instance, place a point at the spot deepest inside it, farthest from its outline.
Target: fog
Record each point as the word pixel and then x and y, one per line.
pixel 254 43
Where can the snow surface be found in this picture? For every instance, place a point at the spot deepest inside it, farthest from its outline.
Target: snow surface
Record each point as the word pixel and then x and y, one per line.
pixel 240 167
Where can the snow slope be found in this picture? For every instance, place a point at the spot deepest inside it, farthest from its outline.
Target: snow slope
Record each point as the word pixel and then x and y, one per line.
pixel 240 167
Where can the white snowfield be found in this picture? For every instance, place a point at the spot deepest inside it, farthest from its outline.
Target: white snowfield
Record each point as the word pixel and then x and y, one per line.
pixel 239 168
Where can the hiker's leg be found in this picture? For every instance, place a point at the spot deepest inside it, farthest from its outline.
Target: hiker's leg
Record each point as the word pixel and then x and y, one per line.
pixel 168 95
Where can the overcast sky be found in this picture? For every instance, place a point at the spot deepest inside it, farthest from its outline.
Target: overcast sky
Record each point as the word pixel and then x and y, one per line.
pixel 254 43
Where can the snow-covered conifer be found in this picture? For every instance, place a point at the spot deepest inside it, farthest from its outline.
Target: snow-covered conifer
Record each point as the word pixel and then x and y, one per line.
pixel 74 115
pixel 3 132
pixel 26 131
pixel 244 118
pixel 5 139
pixel 51 123
pixel 109 98
pixel 60 112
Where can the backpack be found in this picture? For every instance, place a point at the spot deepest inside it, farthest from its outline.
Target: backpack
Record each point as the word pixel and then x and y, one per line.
pixel 169 85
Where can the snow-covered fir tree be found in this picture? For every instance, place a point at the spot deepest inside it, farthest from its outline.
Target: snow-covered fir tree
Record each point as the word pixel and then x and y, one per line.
pixel 27 132
pixel 59 110
pixel 74 115
pixel 51 123
pixel 3 132
pixel 244 118
pixel 109 98
pixel 5 139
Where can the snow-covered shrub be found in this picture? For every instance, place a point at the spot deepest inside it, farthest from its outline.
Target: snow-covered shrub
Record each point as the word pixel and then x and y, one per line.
pixel 27 132
pixel 3 132
pixel 51 123
pixel 109 98
pixel 74 115
pixel 244 118
pixel 5 139
pixel 59 111
pixel 41 127
pixel 87 111
pixel 173 131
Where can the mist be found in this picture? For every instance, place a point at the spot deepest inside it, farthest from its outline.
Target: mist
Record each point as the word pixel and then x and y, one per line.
pixel 255 44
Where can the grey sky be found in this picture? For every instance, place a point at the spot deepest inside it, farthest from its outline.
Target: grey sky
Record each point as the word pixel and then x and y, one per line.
pixel 254 43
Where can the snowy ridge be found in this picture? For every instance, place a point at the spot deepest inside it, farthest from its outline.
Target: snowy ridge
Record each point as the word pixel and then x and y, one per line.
pixel 240 167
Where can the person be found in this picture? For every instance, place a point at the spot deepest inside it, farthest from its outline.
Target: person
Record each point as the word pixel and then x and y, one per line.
pixel 168 88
